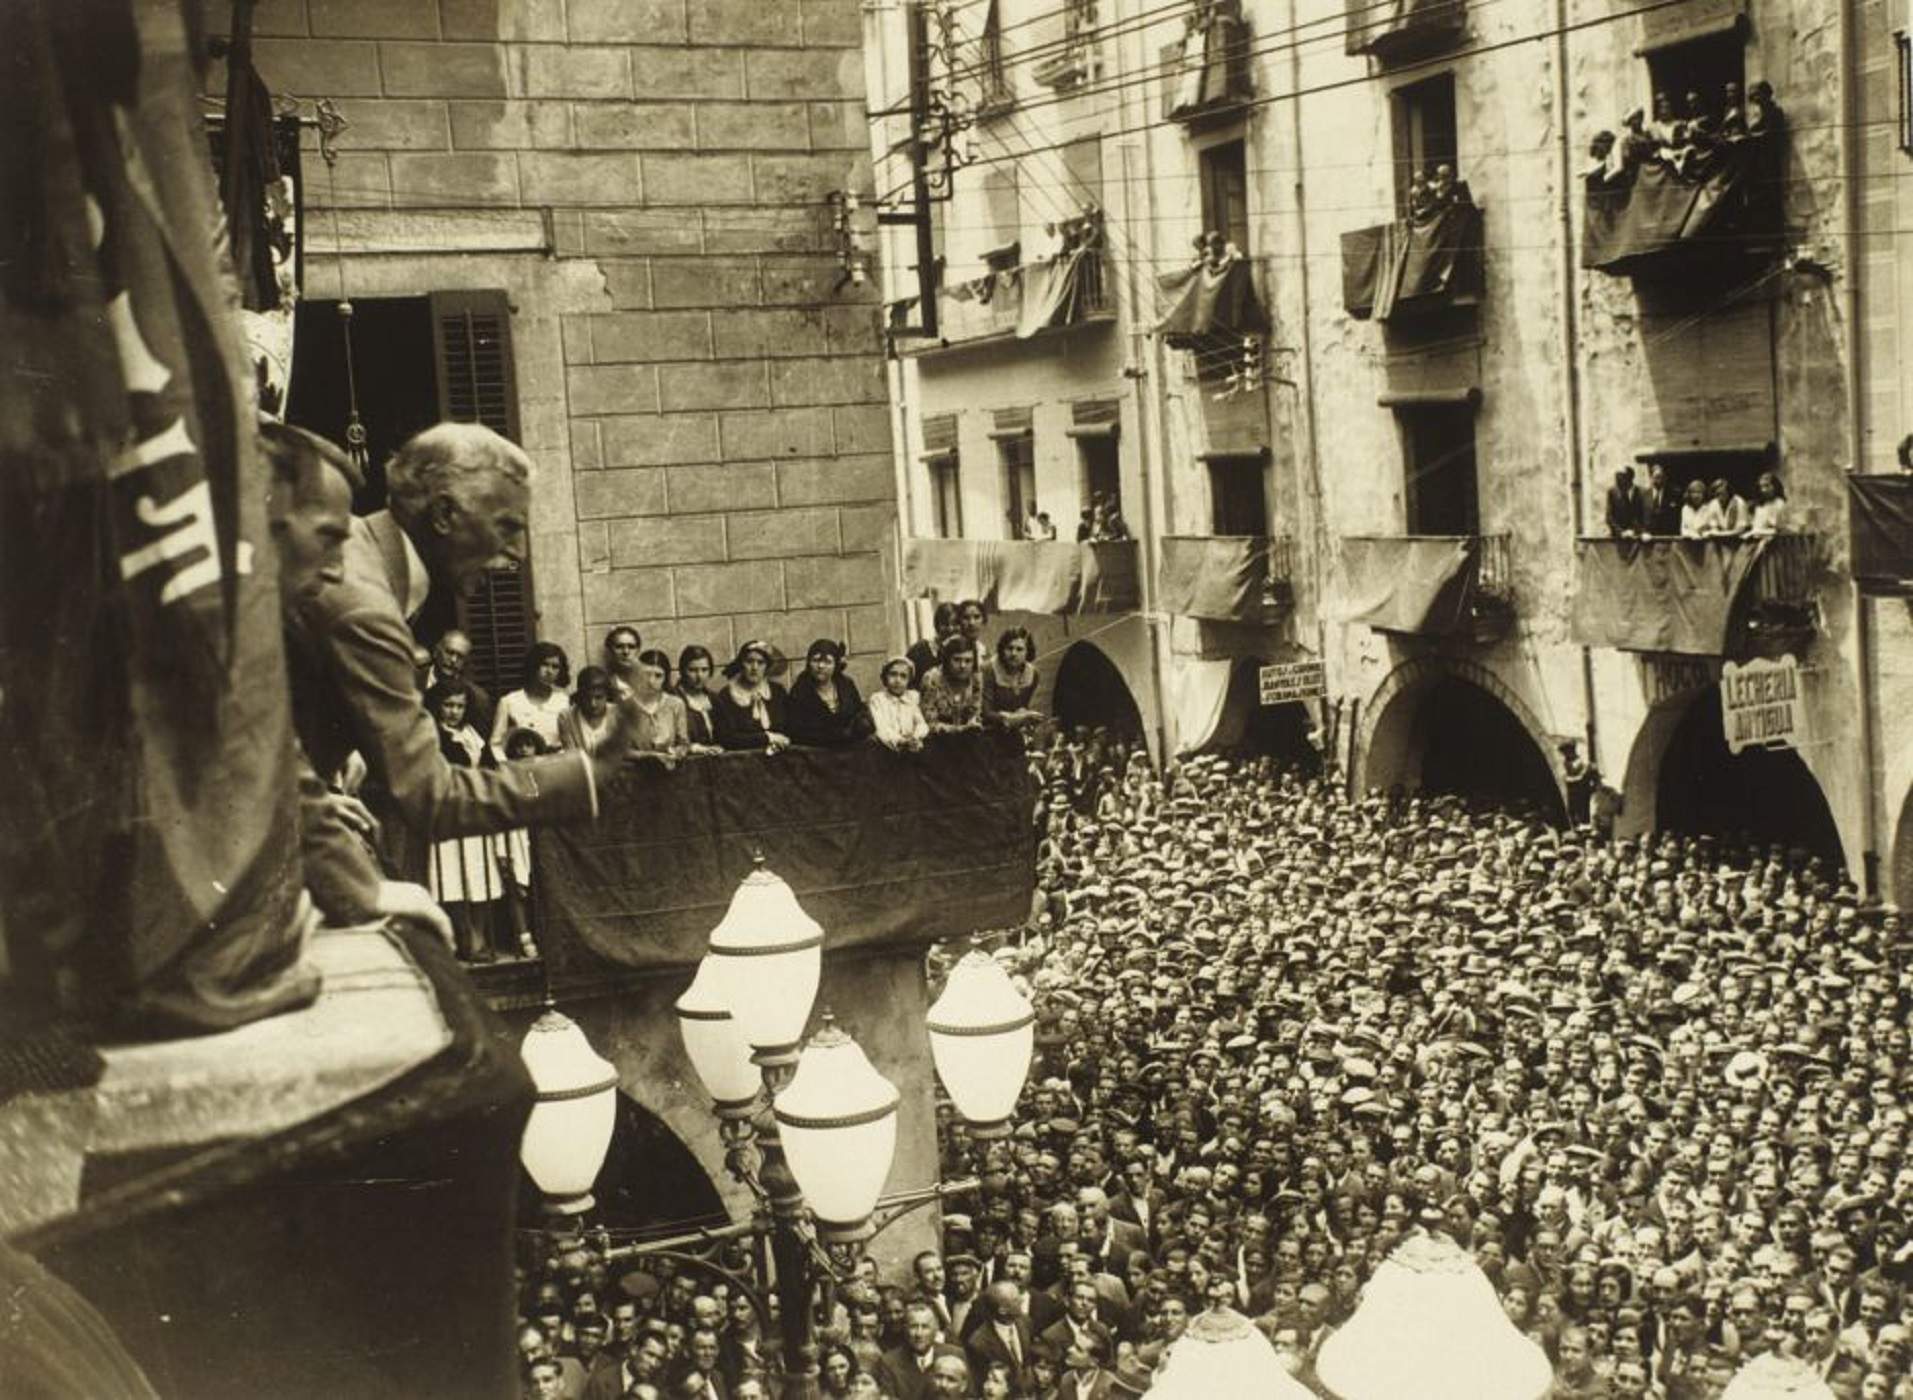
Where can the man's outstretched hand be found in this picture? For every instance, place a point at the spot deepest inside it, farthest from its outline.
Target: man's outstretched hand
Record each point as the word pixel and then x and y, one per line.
pixel 400 899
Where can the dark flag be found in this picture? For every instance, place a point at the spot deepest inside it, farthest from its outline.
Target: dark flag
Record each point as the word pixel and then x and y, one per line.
pixel 150 821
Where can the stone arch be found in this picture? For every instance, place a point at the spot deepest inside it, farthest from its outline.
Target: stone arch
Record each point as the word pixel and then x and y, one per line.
pixel 1901 875
pixel 1400 728
pixel 1681 777
pixel 1090 689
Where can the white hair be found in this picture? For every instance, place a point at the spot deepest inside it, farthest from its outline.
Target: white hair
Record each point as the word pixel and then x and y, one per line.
pixel 443 460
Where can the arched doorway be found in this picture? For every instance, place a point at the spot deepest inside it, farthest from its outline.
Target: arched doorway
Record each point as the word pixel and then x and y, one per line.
pixel 1441 732
pixel 649 1180
pixel 1091 693
pixel 1901 874
pixel 1255 730
pixel 1768 795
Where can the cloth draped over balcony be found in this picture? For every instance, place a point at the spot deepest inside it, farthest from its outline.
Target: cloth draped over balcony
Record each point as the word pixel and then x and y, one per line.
pixel 1208 67
pixel 1200 698
pixel 1221 578
pixel 1882 510
pixel 1211 303
pixel 1041 576
pixel 880 847
pixel 1408 583
pixel 1636 216
pixel 1433 258
pixel 153 845
pixel 1670 595
pixel 1059 292
pixel 1394 28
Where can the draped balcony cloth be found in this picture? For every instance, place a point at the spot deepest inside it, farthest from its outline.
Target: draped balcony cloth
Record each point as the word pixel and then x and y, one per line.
pixel 1055 293
pixel 1399 25
pixel 1042 576
pixel 983 306
pixel 1222 578
pixel 1662 595
pixel 150 836
pixel 881 848
pixel 1211 304
pixel 1407 583
pixel 1882 513
pixel 1426 261
pixel 1654 211
pixel 1201 698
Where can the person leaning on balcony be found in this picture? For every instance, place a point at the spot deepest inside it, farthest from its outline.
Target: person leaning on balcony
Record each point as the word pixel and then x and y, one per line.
pixel 1009 684
pixel 896 711
pixel 696 666
pixel 953 692
pixel 826 708
pixel 661 731
pixel 1771 515
pixel 1626 507
pixel 923 652
pixel 460 495
pixel 1734 514
pixel 1700 514
pixel 1662 502
pixel 752 711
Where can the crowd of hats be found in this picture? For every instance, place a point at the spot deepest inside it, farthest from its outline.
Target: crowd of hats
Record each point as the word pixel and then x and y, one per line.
pixel 1654 1086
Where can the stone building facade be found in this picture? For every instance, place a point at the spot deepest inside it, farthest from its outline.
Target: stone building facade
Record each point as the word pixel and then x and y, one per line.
pixel 1465 425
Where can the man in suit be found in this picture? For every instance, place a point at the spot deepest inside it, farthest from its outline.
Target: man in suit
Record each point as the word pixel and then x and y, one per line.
pixel 904 1371
pixel 1002 1333
pixel 460 499
pixel 309 516
pixel 1081 1340
pixel 1107 1240
pixel 1662 502
pixel 1140 1201
pixel 1626 507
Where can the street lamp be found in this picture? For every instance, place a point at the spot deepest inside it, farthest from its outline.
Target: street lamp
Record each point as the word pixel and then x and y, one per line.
pixel 766 957
pixel 982 1033
pixel 569 1129
pixel 1775 1377
pixel 838 1122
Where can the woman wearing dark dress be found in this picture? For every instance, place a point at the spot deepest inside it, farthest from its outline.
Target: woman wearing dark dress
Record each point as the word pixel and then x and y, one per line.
pixel 696 666
pixel 1009 684
pixel 826 709
pixel 751 711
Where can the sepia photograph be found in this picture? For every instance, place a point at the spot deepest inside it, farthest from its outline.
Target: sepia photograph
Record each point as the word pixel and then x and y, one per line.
pixel 956 699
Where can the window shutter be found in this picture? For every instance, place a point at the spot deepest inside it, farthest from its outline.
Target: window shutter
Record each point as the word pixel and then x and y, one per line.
pixel 471 332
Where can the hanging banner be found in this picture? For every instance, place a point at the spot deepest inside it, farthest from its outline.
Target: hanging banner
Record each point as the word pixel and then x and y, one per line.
pixel 1760 704
pixel 1291 681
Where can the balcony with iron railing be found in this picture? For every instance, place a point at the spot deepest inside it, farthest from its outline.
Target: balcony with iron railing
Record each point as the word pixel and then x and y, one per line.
pixel 1395 31
pixel 1206 75
pixel 1226 578
pixel 1726 597
pixel 1060 577
pixel 1026 300
pixel 1430 585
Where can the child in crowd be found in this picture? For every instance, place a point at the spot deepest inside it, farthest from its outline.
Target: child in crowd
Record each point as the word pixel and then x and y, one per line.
pixel 896 710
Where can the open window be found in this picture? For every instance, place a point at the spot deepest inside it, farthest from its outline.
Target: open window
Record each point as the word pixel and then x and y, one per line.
pixel 1695 74
pixel 1441 491
pixel 1017 454
pixel 1002 218
pixel 1740 466
pixel 1225 192
pixel 1238 496
pixel 1425 136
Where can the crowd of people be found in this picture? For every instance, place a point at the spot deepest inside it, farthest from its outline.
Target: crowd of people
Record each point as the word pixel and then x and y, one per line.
pixel 1655 1088
pixel 1689 138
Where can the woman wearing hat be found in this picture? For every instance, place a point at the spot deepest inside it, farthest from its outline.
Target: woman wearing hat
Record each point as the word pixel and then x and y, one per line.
pixel 826 709
pixel 752 710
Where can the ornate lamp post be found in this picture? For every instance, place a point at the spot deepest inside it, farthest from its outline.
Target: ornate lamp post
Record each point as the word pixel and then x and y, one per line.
pixel 809 1126
pixel 1772 1377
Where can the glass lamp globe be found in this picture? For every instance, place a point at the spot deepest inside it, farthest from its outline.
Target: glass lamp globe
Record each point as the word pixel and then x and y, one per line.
pixel 716 1049
pixel 982 1033
pixel 569 1130
pixel 837 1119
pixel 1772 1377
pixel 1430 1326
pixel 1222 1353
pixel 766 957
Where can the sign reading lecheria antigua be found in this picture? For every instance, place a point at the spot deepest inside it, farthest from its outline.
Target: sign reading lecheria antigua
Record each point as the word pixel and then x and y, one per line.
pixel 1760 704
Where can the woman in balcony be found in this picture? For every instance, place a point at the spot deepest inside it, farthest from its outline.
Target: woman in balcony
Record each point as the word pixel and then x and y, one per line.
pixel 663 732
pixel 753 710
pixel 542 702
pixel 1700 515
pixel 953 692
pixel 586 723
pixel 696 666
pixel 1009 685
pixel 896 711
pixel 463 874
pixel 1732 510
pixel 826 709
pixel 1771 515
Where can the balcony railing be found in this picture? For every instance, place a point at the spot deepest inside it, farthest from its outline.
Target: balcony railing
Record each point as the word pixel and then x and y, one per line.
pixel 1226 578
pixel 1205 75
pixel 1708 597
pixel 1040 576
pixel 1430 260
pixel 1026 300
pixel 1430 585
pixel 1882 515
pixel 1396 30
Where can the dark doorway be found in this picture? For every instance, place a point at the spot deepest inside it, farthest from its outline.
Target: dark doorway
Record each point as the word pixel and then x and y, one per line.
pixel 1250 729
pixel 650 1180
pixel 395 368
pixel 1091 693
pixel 1472 745
pixel 1767 795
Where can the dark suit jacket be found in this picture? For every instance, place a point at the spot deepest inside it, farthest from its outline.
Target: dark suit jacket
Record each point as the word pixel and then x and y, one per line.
pixel 733 726
pixel 1129 1236
pixel 355 686
pixel 986 1347
pixel 1059 1337
pixel 1626 510
pixel 897 1373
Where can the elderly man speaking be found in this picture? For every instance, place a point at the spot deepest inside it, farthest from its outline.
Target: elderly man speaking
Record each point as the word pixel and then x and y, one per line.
pixel 460 495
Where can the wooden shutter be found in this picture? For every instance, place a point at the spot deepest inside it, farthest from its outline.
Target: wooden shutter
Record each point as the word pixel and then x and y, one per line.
pixel 471 334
